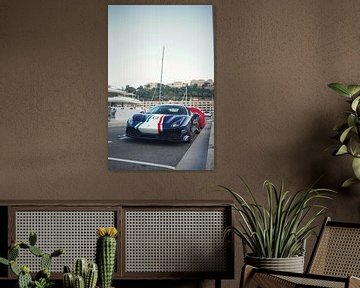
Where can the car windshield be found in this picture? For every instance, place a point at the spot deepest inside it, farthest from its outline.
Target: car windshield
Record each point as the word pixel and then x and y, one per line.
pixel 168 109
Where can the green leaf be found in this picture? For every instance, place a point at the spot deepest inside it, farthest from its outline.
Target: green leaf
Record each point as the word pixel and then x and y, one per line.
pixel 23 245
pixel 45 261
pixel 14 268
pixel 342 150
pixel 354 145
pixel 355 103
pixel 36 251
pixel 4 261
pixel 13 253
pixel 351 120
pixel 340 88
pixel 25 269
pixel 356 167
pixel 345 134
pixel 349 182
pixel 57 252
pixel 353 89
pixel 24 280
pixel 32 238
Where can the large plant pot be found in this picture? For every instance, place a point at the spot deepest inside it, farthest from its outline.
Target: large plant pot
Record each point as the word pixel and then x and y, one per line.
pixel 291 264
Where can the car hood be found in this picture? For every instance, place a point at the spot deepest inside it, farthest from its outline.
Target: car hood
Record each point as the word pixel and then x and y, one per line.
pixel 165 117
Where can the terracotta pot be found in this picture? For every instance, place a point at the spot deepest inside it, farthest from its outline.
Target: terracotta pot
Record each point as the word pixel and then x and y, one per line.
pixel 291 264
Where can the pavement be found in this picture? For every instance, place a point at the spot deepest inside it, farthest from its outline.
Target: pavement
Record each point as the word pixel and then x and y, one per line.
pixel 116 123
pixel 196 157
pixel 211 150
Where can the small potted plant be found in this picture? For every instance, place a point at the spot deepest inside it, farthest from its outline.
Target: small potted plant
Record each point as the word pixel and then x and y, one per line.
pixel 348 132
pixel 84 274
pixel 106 254
pixel 275 233
pixel 42 278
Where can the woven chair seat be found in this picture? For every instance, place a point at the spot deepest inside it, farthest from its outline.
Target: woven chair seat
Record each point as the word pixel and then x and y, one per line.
pixel 314 282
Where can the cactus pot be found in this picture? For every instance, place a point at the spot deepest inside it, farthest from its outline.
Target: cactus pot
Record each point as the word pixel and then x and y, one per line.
pixel 291 264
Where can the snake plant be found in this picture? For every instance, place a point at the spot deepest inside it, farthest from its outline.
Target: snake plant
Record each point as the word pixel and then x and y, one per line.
pixel 348 132
pixel 279 228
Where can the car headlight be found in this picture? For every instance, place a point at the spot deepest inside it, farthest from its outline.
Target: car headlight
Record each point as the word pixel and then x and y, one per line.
pixel 130 121
pixel 177 123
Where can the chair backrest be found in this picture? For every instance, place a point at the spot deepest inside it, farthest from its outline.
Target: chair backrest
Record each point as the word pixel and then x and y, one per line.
pixel 337 251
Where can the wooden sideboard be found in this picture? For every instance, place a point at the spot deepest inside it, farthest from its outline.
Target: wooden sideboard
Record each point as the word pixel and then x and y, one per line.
pixel 157 240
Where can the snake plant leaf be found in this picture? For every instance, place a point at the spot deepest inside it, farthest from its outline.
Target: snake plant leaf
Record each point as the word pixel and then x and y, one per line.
pixel 278 228
pixel 349 182
pixel 340 88
pixel 355 103
pixel 345 134
pixel 342 150
pixel 353 89
pixel 356 167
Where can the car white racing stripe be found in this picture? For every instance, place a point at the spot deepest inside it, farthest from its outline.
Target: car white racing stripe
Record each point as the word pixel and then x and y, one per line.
pixel 152 125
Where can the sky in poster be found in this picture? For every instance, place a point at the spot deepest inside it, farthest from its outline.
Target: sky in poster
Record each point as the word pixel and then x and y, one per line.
pixel 137 34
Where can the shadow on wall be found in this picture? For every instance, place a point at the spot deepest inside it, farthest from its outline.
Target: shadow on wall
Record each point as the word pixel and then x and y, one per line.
pixel 305 151
pixel 321 144
pixel 309 154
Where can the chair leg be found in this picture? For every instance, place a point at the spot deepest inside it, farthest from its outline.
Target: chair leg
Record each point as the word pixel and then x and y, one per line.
pixel 217 283
pixel 246 273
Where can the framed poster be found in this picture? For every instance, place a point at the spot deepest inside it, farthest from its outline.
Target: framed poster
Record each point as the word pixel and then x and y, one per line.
pixel 160 87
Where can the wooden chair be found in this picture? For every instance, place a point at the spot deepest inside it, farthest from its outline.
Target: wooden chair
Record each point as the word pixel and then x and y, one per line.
pixel 334 263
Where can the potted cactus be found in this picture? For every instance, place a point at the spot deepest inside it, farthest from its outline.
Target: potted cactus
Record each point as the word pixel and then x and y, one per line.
pixel 85 275
pixel 106 254
pixel 42 278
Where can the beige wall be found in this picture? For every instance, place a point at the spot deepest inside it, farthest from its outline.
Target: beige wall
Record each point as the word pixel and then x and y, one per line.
pixel 274 113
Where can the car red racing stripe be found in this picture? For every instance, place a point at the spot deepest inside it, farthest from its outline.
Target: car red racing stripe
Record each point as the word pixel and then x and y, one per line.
pixel 160 126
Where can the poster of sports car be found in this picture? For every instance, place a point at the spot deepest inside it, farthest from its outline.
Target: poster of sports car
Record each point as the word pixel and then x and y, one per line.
pixel 160 87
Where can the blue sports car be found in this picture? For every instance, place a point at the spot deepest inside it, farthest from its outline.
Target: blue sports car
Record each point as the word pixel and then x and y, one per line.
pixel 164 122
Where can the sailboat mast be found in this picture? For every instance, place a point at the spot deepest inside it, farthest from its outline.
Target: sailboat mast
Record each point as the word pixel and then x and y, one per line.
pixel 162 65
